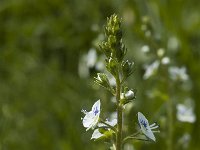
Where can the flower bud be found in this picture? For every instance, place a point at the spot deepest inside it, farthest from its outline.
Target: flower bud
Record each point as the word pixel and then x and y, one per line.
pixel 129 95
pixel 113 26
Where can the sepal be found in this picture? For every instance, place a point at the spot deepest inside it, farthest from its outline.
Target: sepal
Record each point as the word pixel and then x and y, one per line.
pixel 127 68
pixel 111 65
pixel 102 80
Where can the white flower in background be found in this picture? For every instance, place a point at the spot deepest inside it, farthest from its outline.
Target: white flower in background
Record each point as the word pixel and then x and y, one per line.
pixel 178 73
pixel 151 69
pixel 147 129
pixel 173 43
pixel 86 62
pixel 185 140
pixel 111 80
pixel 100 63
pixel 165 60
pixel 91 118
pixel 91 58
pixel 160 52
pixel 185 112
pixel 145 49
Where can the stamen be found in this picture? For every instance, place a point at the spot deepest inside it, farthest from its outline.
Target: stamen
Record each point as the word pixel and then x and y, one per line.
pixel 98 77
pixel 84 111
pixel 152 124
pixel 158 131
pixel 154 127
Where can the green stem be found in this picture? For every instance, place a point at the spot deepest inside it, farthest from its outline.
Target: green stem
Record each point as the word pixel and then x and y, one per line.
pixel 133 136
pixel 119 115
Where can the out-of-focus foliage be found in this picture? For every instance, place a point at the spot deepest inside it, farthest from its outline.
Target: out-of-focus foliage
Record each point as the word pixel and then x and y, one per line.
pixel 42 44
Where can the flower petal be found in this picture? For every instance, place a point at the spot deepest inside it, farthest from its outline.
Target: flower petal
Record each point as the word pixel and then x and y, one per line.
pixel 96 107
pixel 96 134
pixel 88 119
pixel 145 128
pixel 91 118
pixel 112 122
pixel 150 134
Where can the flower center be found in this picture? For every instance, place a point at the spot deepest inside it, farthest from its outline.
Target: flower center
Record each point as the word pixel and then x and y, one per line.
pixel 143 123
pixel 96 111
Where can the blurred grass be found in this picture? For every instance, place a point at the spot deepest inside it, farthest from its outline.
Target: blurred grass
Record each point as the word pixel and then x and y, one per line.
pixel 41 42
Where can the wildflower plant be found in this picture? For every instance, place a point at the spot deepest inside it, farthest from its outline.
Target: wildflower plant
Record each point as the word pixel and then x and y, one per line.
pixel 171 85
pixel 120 69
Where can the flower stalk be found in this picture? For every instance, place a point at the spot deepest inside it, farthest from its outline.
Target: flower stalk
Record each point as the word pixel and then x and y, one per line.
pixel 119 115
pixel 120 69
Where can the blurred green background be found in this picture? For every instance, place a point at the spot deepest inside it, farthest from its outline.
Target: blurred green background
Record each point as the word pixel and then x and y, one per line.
pixel 44 85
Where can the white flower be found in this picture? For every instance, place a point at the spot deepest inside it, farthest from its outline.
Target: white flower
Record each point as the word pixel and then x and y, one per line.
pixel 96 134
pixel 185 113
pixel 151 69
pixel 146 128
pixel 111 123
pixel 91 58
pixel 178 73
pixel 91 118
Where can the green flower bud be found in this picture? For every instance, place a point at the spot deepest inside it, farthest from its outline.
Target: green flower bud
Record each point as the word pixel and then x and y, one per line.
pixel 113 26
